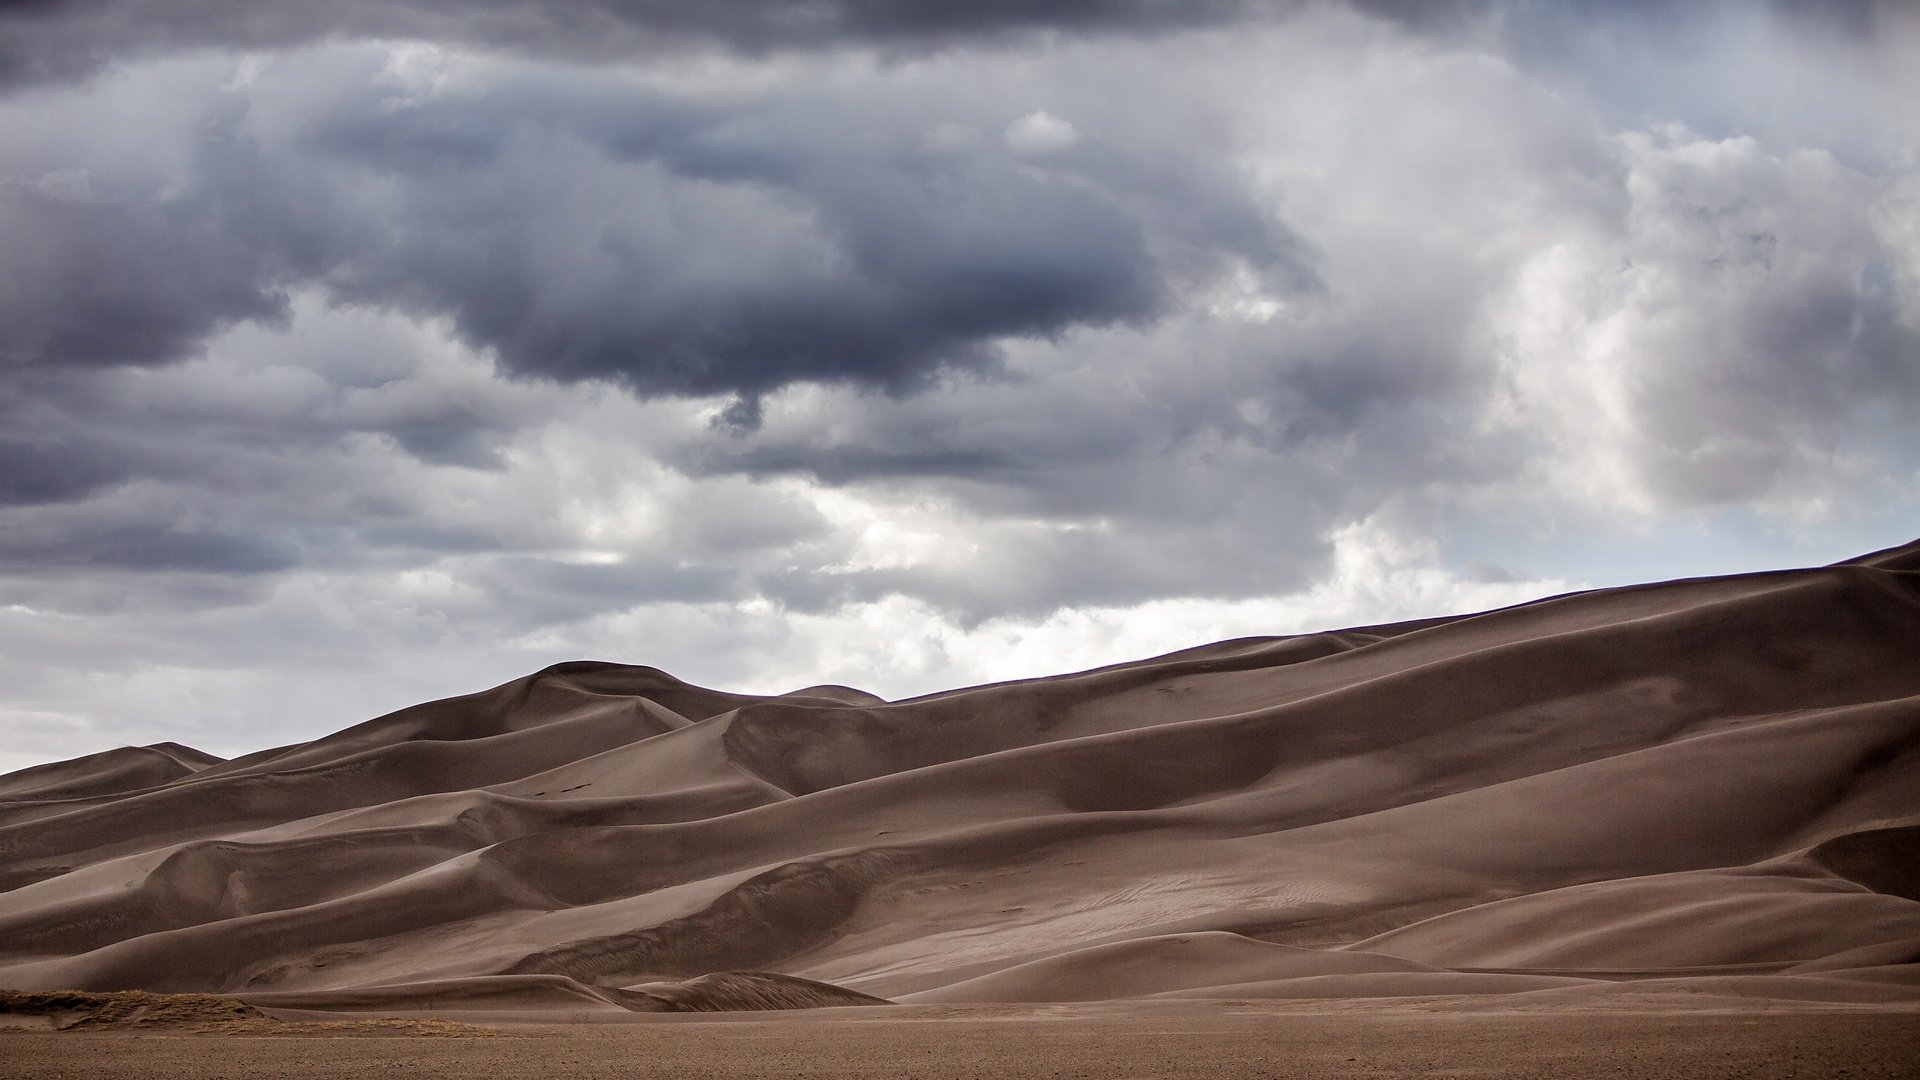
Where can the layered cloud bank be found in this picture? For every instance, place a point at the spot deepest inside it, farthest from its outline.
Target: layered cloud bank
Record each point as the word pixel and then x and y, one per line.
pixel 374 350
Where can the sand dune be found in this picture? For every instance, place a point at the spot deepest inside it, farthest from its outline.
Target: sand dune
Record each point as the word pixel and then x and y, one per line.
pixel 1163 964
pixel 1711 786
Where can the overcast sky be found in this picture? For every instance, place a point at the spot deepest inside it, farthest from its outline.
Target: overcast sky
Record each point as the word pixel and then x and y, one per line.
pixel 356 354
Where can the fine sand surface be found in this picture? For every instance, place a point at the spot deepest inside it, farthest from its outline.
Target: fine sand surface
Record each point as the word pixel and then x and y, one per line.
pixel 1218 1043
pixel 1698 791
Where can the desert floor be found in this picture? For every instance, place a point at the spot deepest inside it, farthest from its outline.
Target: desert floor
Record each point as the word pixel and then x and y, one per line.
pixel 1215 1043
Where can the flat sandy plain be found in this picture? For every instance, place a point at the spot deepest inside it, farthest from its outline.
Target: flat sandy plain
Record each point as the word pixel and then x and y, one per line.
pixel 1216 1041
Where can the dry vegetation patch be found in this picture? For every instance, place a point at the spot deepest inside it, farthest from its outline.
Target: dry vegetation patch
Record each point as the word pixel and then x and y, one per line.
pixel 80 1010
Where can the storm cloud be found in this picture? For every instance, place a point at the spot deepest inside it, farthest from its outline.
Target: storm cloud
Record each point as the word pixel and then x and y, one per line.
pixel 64 39
pixel 588 226
pixel 911 345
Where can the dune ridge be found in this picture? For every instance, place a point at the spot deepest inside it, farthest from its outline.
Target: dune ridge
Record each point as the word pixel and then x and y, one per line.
pixel 1703 784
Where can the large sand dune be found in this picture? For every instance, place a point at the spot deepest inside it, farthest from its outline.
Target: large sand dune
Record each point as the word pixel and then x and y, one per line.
pixel 1708 786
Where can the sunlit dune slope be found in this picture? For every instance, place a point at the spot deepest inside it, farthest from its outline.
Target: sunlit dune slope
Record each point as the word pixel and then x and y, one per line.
pixel 1711 782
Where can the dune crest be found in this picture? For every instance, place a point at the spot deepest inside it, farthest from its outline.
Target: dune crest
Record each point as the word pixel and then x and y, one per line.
pixel 1703 783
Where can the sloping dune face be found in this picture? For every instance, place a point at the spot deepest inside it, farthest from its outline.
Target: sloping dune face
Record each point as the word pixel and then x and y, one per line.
pixel 1710 783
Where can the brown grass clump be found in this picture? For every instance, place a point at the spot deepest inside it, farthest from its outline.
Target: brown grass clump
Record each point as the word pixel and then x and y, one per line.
pixel 80 1010
pixel 71 1009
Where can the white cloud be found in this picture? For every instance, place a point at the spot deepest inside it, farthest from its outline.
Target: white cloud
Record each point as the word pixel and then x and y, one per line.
pixel 1040 133
pixel 67 185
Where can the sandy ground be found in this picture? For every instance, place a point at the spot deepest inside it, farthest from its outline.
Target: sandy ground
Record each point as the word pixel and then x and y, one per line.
pixel 1219 1043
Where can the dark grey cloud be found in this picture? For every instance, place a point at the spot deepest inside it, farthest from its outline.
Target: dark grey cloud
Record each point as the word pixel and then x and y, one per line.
pixel 752 252
pixel 41 545
pixel 118 481
pixel 40 469
pixel 98 285
pixel 452 438
pixel 63 39
pixel 47 456
pixel 585 228
pixel 51 40
pixel 110 269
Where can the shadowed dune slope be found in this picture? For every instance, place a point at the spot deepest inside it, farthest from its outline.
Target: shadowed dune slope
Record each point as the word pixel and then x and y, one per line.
pixel 1711 782
pixel 49 788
